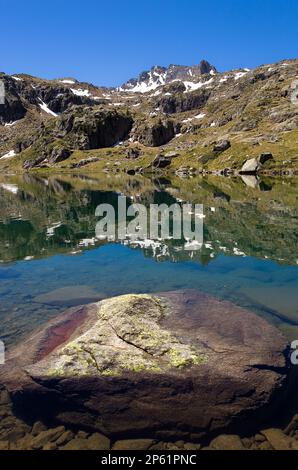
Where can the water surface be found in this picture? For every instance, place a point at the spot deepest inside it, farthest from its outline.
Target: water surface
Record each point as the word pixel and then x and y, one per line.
pixel 50 258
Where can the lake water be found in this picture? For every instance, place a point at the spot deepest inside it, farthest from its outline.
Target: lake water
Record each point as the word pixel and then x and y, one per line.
pixel 50 258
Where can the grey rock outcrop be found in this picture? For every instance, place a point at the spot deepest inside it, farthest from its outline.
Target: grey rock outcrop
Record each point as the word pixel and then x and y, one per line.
pixel 154 132
pixel 92 128
pixel 182 102
pixel 13 108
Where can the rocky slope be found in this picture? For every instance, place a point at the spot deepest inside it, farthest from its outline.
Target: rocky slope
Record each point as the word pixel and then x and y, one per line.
pixel 122 365
pixel 211 120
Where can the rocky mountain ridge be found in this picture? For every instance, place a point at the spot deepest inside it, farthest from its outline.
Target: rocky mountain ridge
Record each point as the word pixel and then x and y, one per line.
pixel 213 121
pixel 158 76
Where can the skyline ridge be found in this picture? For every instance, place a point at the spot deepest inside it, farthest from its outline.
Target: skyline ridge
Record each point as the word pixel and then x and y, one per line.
pixel 149 68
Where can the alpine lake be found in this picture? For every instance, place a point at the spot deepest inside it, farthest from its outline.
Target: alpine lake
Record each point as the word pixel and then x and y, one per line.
pixel 50 258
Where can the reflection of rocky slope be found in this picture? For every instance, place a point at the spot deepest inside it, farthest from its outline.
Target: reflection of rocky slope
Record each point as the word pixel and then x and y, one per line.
pixel 41 217
pixel 185 109
pixel 121 366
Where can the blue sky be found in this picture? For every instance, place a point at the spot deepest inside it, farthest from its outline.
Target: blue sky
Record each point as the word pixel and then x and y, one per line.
pixel 108 42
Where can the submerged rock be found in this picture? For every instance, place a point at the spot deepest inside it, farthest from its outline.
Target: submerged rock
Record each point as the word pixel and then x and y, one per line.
pixel 69 296
pixel 122 365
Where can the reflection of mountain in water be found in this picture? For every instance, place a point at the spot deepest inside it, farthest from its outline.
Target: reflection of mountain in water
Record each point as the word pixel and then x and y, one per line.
pixel 41 217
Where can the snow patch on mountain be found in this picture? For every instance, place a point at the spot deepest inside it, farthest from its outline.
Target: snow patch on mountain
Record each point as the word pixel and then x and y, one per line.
pixel 192 86
pixel 158 76
pixel 154 83
pixel 200 116
pixel 239 75
pixel 68 82
pixel 10 124
pixel 9 154
pixel 80 92
pixel 45 108
pixel 155 80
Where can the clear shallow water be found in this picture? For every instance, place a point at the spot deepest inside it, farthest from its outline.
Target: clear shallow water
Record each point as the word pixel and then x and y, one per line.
pixel 50 260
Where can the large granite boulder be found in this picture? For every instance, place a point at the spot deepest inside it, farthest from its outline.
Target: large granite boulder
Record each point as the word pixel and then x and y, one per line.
pixel 172 364
pixel 253 165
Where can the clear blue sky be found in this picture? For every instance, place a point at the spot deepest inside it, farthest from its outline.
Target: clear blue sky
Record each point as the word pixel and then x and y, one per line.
pixel 107 42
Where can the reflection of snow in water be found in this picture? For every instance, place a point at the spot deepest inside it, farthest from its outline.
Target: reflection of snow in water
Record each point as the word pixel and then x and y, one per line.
pixel 87 242
pixel 237 252
pixel 158 249
pixel 9 154
pixel 51 230
pixel 12 188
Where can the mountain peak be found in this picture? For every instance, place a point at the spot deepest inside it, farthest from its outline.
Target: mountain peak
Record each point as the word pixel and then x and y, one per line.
pixel 151 79
pixel 206 67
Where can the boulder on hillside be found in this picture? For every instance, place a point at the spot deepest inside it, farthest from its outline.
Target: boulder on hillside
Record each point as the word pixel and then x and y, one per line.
pixel 222 145
pixel 84 162
pixel 58 154
pixel 52 154
pixel 161 161
pixel 122 365
pixel 253 165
